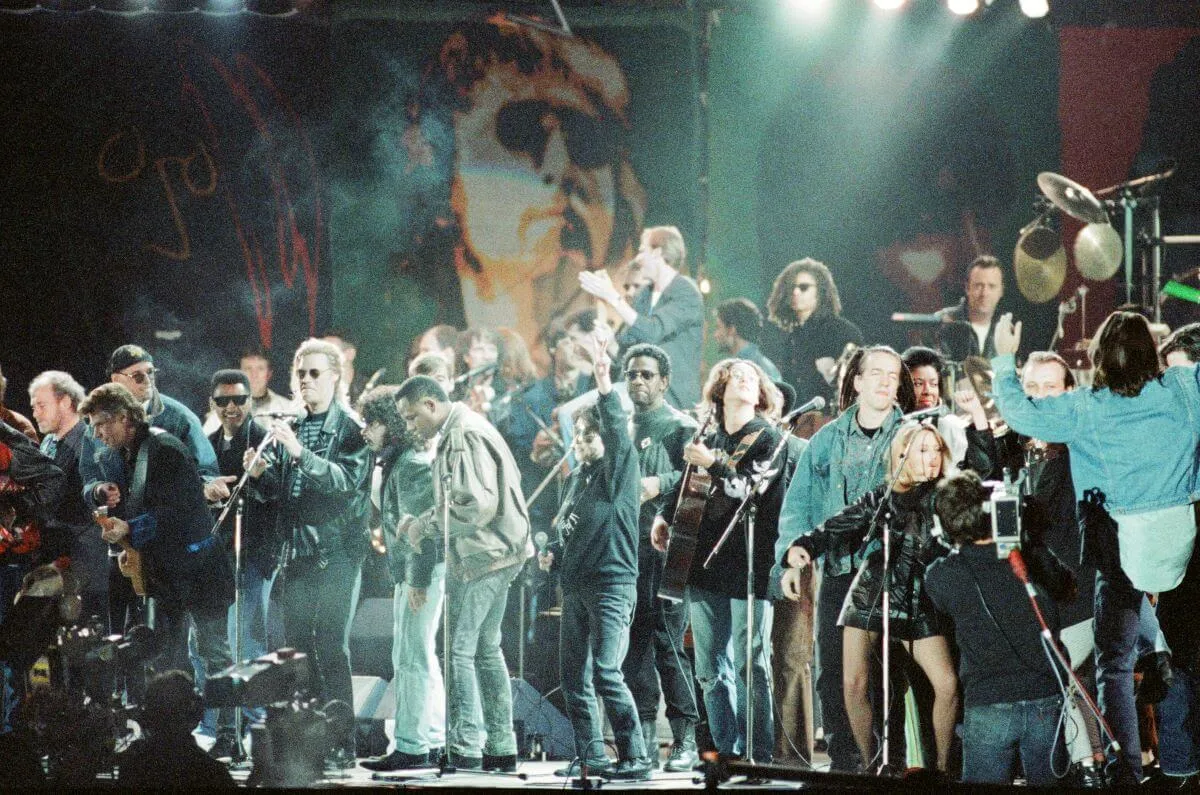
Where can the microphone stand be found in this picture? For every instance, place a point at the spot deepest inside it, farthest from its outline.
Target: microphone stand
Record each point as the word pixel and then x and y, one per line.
pixel 238 497
pixel 759 483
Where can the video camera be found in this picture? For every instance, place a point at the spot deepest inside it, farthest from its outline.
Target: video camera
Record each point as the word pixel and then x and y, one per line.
pixel 1005 507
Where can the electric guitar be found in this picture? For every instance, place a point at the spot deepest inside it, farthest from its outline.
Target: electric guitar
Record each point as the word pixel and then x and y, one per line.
pixel 132 565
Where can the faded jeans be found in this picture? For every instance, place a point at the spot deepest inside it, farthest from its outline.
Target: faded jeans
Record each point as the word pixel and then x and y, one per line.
pixel 996 736
pixel 719 631
pixel 592 645
pixel 417 682
pixel 477 667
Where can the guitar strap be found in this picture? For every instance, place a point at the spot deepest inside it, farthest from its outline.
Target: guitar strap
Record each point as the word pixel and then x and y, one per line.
pixel 743 447
pixel 137 483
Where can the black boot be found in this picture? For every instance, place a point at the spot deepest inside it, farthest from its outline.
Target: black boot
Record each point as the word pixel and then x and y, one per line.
pixel 683 756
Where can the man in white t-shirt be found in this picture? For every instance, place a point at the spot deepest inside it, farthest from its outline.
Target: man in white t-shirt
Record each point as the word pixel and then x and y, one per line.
pixel 976 312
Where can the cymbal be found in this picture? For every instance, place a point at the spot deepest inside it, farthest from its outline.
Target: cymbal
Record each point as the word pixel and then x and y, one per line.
pixel 1098 251
pixel 1040 263
pixel 1072 198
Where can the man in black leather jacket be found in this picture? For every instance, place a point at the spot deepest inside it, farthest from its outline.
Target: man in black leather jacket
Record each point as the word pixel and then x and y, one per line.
pixel 318 472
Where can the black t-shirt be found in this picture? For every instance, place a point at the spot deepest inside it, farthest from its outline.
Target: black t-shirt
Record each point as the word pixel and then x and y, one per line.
pixel 727 575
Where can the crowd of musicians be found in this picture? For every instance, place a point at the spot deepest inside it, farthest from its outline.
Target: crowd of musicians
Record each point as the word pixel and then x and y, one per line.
pixel 660 498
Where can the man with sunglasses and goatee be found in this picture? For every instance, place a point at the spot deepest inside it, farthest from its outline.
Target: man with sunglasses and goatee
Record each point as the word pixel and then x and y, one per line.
pixel 103 472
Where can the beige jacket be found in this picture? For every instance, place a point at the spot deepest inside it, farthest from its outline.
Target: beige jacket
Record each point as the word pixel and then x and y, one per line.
pixel 474 469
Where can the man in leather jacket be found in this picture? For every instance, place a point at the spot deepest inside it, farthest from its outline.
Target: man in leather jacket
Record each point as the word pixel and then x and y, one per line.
pixel 318 474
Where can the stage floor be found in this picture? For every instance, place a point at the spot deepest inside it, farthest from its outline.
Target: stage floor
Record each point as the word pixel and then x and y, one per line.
pixel 530 776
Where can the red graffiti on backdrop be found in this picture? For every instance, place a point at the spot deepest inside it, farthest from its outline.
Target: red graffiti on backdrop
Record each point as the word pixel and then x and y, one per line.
pixel 277 127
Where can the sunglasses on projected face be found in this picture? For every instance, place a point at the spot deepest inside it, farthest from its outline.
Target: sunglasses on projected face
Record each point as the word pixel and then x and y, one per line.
pixel 804 287
pixel 525 127
pixel 313 373
pixel 224 400
pixel 645 375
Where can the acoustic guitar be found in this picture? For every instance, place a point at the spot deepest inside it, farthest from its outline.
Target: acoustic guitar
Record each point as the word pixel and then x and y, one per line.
pixel 132 566
pixel 689 510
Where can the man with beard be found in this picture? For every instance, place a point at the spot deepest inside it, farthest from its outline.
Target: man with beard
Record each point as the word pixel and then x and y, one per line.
pixel 656 653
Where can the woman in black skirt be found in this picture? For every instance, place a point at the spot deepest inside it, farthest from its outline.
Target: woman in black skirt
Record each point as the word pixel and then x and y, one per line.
pixel 921 457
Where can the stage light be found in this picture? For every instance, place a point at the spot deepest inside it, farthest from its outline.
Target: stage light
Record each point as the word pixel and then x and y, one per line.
pixel 806 7
pixel 889 5
pixel 962 7
pixel 1035 9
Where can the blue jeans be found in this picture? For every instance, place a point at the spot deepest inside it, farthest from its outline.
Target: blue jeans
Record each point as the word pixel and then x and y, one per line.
pixel 420 694
pixel 1178 727
pixel 995 736
pixel 1118 618
pixel 592 646
pixel 718 623
pixel 476 610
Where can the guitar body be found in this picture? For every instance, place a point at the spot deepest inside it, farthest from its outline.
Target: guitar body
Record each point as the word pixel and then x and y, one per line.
pixel 693 496
pixel 689 511
pixel 132 567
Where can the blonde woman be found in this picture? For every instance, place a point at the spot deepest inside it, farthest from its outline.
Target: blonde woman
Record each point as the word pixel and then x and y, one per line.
pixel 919 459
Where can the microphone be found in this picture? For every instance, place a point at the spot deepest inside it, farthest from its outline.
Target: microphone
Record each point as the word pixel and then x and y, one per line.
pixel 292 417
pixel 939 410
pixel 540 539
pixel 483 369
pixel 816 404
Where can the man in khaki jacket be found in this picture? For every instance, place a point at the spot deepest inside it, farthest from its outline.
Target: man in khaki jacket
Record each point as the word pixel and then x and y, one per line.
pixel 476 477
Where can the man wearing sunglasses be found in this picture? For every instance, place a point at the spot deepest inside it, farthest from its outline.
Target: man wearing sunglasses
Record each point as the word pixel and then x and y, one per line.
pixel 230 401
pixel 656 653
pixel 318 474
pixel 103 471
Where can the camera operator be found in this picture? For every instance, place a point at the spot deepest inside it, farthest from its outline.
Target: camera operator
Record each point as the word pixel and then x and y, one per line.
pixel 1011 696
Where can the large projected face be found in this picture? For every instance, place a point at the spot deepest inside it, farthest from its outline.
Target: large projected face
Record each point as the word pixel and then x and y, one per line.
pixel 540 177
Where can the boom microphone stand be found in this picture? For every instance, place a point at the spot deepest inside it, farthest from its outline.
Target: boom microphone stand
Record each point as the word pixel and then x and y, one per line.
pixel 238 497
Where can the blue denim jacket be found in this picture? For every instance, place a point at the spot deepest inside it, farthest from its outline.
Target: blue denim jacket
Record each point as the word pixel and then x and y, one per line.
pixel 1139 451
pixel 818 489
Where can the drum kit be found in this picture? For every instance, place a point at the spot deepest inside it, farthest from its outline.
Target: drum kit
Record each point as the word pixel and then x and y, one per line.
pixel 1100 251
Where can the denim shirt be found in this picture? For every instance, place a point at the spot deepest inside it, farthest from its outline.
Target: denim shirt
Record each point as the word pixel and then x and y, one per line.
pixel 1139 451
pixel 834 471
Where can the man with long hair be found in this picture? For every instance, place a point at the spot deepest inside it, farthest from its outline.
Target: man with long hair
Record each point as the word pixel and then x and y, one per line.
pixel 805 306
pixel 742 400
pixel 1143 497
